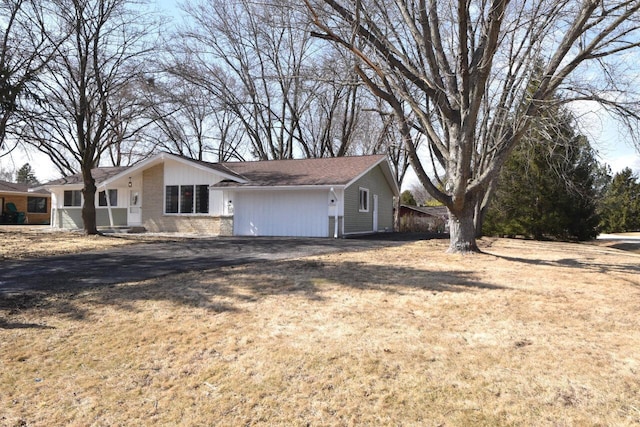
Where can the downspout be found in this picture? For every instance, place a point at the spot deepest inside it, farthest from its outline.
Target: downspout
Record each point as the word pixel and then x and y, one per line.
pixel 335 215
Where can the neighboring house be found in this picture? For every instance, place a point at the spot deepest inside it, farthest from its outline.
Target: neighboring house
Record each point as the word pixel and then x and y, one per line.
pixel 31 207
pixel 324 197
pixel 424 218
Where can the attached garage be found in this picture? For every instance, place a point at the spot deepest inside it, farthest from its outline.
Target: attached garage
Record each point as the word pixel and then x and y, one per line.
pixel 296 213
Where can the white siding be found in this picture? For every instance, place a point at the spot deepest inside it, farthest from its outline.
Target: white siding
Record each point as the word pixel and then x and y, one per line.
pixel 281 213
pixel 176 173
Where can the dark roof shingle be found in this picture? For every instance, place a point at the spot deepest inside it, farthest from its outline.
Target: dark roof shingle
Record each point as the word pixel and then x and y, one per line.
pixel 99 174
pixel 319 171
pixel 13 187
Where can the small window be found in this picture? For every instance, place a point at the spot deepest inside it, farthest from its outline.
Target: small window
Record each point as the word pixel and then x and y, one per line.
pixel 36 204
pixel 113 198
pixel 171 196
pixel 73 198
pixel 363 205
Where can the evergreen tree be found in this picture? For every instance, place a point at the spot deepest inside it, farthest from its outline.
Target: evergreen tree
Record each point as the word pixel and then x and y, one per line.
pixel 619 208
pixel 547 188
pixel 26 175
pixel 406 198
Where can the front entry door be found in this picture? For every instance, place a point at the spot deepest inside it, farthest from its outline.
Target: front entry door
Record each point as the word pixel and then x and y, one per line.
pixel 135 210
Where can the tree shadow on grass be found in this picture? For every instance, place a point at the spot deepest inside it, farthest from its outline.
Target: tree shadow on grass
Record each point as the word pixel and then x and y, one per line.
pixel 228 289
pixel 581 263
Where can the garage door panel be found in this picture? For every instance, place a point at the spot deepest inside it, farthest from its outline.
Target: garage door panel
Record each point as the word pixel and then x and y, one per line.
pixel 281 213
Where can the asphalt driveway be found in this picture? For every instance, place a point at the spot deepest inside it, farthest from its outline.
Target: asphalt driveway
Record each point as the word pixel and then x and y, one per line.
pixel 149 260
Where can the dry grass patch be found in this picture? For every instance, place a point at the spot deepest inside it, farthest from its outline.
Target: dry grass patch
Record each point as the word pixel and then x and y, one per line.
pixel 528 333
pixel 17 242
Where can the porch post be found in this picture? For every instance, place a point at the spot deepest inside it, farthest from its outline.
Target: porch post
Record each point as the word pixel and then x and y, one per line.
pixel 106 196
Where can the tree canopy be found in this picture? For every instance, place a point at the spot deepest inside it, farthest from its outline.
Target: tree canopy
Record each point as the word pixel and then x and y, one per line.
pixel 26 175
pixel 459 72
pixel 547 188
pixel 619 207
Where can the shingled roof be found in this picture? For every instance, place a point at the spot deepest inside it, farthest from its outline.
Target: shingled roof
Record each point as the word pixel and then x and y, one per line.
pixel 12 187
pixel 321 171
pixel 265 173
pixel 99 174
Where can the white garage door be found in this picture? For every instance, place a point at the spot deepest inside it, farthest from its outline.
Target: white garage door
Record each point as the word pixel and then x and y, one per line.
pixel 281 213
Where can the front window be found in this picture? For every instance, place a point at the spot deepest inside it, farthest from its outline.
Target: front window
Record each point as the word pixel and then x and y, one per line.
pixel 363 205
pixel 187 199
pixel 202 199
pixel 113 198
pixel 73 198
pixel 36 204
pixel 171 196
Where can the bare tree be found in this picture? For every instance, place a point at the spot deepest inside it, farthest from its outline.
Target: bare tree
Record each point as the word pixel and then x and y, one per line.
pixel 252 59
pixel 85 84
pixel 190 122
pixel 28 40
pixel 462 69
pixel 292 95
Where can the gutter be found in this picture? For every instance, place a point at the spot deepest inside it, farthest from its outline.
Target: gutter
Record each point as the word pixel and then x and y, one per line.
pixel 335 213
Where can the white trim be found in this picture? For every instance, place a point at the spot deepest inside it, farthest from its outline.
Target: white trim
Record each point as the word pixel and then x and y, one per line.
pixel 279 187
pixel 194 213
pixel 73 206
pixel 360 190
pixel 161 158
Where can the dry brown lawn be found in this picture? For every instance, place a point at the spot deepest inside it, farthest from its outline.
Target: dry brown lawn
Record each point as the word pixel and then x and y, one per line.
pixel 17 242
pixel 527 333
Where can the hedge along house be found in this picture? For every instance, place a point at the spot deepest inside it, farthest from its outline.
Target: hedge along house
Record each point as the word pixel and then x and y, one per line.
pixel 327 197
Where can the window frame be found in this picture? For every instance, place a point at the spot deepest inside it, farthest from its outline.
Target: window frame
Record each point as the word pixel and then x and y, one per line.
pixel 76 198
pixel 37 210
pixel 113 194
pixel 363 202
pixel 198 205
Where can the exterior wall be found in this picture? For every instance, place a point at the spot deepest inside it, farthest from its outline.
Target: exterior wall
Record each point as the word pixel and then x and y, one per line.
pixel 226 226
pixel 362 222
pixel 119 217
pixel 20 200
pixel 177 173
pixel 69 218
pixel 184 224
pixel 153 197
pixel 153 216
pixel 331 226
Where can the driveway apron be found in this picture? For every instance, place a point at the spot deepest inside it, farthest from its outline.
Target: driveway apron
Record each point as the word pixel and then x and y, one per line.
pixel 143 261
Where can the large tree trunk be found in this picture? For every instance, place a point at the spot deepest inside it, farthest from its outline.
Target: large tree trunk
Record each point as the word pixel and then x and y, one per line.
pixel 89 205
pixel 462 230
